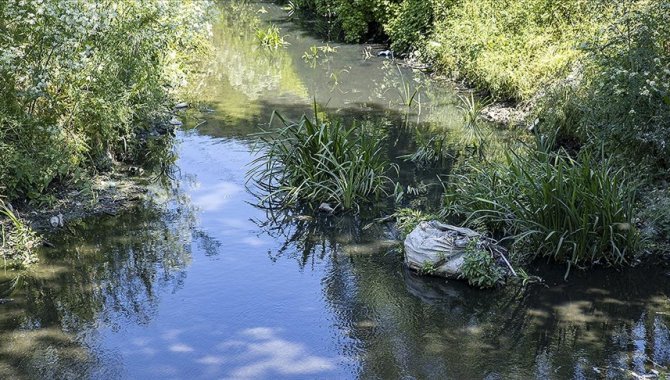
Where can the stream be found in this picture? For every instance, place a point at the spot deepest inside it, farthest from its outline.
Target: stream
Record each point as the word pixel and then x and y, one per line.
pixel 201 283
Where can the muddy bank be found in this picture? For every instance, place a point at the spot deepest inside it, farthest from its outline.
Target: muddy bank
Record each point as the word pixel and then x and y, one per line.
pixel 26 227
pixel 108 194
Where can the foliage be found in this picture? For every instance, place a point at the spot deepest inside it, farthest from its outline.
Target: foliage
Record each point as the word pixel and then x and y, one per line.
pixel 410 23
pixel 513 48
pixel 656 213
pixel 18 241
pixel 82 81
pixel 473 134
pixel 351 21
pixel 427 267
pixel 270 37
pixel 577 212
pixel 627 94
pixel 320 161
pixel 407 219
pixel 480 268
pixel 430 152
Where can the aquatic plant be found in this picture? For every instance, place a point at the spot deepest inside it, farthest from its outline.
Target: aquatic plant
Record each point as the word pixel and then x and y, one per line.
pixel 473 133
pixel 271 38
pixel 577 212
pixel 407 219
pixel 318 161
pixel 312 55
pixel 429 152
pixel 18 240
pixel 410 95
pixel 479 268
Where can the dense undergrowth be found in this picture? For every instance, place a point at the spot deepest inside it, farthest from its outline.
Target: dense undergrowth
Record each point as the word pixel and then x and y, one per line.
pixel 85 84
pixel 574 211
pixel 81 81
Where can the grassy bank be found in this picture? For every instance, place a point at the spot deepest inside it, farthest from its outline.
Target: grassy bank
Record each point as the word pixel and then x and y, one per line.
pixel 87 84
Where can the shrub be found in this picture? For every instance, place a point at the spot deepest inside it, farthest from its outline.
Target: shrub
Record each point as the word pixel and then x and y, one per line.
pixel 320 161
pixel 513 48
pixel 410 24
pixel 628 97
pixel 81 81
pixel 351 21
pixel 577 212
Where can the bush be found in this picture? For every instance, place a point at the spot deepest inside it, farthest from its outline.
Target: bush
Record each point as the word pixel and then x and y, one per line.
pixel 577 212
pixel 320 161
pixel 411 23
pixel 513 48
pixel 80 81
pixel 628 97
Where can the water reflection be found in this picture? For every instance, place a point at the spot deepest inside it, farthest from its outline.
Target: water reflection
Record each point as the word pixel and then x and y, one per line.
pixel 111 273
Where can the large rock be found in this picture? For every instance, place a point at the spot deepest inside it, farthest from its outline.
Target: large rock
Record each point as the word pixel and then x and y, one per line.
pixel 438 249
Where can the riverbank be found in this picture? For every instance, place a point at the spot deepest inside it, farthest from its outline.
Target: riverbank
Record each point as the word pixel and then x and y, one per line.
pixel 88 90
pixel 105 194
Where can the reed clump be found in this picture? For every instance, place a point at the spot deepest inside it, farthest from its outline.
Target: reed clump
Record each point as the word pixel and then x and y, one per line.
pixel 317 161
pixel 574 211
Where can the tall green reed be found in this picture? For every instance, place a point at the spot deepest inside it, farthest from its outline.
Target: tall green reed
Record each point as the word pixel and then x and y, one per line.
pixel 574 211
pixel 320 161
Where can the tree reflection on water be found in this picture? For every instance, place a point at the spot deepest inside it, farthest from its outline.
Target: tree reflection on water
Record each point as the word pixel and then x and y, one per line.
pixel 111 274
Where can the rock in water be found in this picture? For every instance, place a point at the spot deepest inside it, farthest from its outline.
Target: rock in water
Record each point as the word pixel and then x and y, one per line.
pixel 175 122
pixel 438 247
pixel 57 221
pixel 325 207
pixel 385 53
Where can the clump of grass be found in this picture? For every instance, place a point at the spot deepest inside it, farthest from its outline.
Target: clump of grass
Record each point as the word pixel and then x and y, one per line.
pixel 271 37
pixel 429 152
pixel 407 91
pixel 320 161
pixel 473 132
pixel 18 240
pixel 577 212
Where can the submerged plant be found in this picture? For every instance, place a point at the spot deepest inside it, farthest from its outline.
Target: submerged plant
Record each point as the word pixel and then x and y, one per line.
pixel 577 212
pixel 320 161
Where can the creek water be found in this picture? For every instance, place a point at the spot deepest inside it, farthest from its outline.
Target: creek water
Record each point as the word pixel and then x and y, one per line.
pixel 201 283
